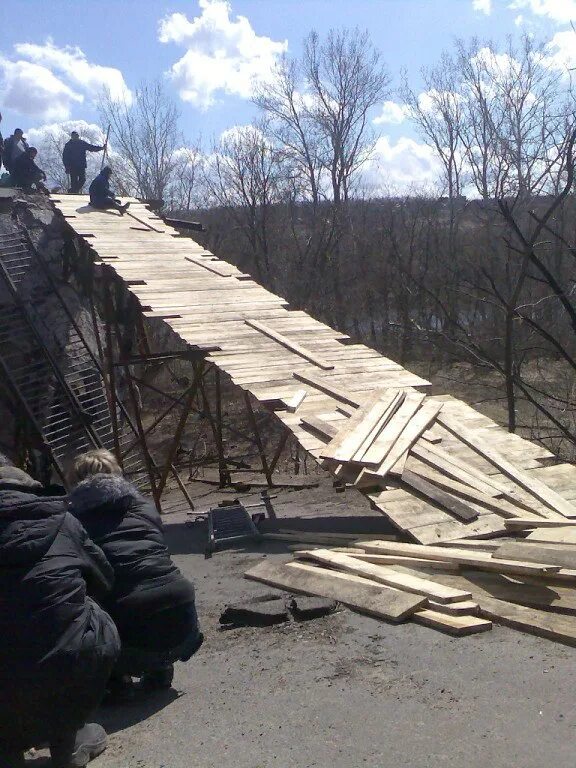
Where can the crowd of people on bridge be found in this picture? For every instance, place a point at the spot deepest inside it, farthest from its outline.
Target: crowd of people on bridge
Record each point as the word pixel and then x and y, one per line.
pixel 19 160
pixel 89 600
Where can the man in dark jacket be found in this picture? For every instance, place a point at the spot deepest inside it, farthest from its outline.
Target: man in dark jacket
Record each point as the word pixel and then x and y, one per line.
pixel 151 602
pixel 14 146
pixel 74 159
pixel 101 196
pixel 26 174
pixel 57 647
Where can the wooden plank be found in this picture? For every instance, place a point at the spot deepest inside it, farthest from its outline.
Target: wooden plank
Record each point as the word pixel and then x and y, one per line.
pixel 375 600
pixel 366 419
pixel 293 403
pixel 388 413
pixel 459 626
pixel 421 421
pixel 456 507
pixel 291 345
pixel 481 561
pixel 528 523
pixel 327 430
pixel 536 487
pixel 555 535
pixel 563 556
pixel 464 608
pixel 324 386
pixel 453 467
pixel 387 576
pixel 553 626
pixel 392 430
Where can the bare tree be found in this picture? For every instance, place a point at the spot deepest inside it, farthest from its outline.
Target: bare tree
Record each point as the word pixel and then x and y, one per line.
pixel 145 133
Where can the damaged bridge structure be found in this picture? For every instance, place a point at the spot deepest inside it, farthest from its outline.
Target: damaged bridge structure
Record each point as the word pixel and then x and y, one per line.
pixel 436 468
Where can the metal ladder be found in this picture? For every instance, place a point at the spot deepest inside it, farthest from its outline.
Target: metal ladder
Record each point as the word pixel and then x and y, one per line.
pixel 58 385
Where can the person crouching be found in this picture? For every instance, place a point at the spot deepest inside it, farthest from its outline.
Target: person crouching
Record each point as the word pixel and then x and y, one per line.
pixel 152 604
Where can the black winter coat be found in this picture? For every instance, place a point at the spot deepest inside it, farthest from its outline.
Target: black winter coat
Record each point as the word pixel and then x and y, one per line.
pixel 99 190
pixel 129 530
pixel 56 644
pixel 74 154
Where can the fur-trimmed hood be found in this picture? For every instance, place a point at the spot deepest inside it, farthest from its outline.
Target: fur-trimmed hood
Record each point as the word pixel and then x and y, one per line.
pixel 98 490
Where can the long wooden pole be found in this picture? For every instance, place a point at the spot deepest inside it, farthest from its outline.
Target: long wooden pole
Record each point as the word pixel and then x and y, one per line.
pixel 105 153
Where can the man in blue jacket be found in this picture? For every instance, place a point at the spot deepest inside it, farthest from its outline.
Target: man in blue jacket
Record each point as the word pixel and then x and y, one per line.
pixel 74 159
pixel 101 196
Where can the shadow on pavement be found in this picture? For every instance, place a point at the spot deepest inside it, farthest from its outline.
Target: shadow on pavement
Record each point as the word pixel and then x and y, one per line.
pixel 118 717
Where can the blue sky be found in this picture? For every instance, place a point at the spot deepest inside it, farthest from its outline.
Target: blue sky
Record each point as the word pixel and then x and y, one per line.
pixel 56 54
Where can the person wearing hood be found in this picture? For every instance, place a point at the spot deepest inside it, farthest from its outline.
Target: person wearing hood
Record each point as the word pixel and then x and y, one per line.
pixel 152 604
pixel 14 146
pixel 57 646
pixel 101 196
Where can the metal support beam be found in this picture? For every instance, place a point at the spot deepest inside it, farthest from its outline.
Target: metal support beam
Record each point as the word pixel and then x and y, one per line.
pixel 258 440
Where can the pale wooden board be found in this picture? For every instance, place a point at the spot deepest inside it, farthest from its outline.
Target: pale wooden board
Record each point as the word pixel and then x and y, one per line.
pixel 530 483
pixel 478 560
pixel 451 503
pixel 387 576
pixel 291 345
pixel 459 626
pixel 375 600
pixel 529 523
pixel 555 535
pixel 565 556
pixel 392 430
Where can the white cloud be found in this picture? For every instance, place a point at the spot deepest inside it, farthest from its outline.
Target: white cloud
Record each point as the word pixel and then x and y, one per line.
pixel 392 114
pixel 48 82
pixel 33 90
pixel 560 11
pixel 561 52
pixel 404 166
pixel 71 62
pixel 223 55
pixel 483 6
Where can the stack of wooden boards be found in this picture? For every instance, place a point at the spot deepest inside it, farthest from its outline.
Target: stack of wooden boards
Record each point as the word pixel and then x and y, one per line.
pixel 528 584
pixel 422 474
pixel 396 442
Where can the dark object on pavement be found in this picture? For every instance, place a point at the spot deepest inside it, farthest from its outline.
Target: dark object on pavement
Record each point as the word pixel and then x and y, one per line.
pixel 78 750
pixel 227 524
pixel 255 614
pixel 305 608
pixel 57 646
pixel 151 602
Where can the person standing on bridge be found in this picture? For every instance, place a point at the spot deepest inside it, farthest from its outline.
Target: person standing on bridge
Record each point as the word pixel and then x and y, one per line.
pixel 74 159
pixel 101 196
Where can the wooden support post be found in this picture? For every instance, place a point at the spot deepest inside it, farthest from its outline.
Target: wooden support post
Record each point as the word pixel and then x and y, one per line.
pixel 258 440
pixel 279 450
pixel 111 373
pixel 222 467
pixel 190 395
pixel 225 478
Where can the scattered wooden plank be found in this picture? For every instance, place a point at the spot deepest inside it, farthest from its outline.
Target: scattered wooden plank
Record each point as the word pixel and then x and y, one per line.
pixel 555 535
pixel 446 462
pixel 565 557
pixel 418 424
pixel 464 608
pixel 459 626
pixel 526 523
pixel 353 431
pixel 375 600
pixel 324 428
pixel 293 403
pixel 387 414
pixel 293 346
pixel 413 562
pixel 456 507
pixel 479 560
pixel 392 430
pixel 388 576
pixel 541 623
pixel 535 487
pixel 324 386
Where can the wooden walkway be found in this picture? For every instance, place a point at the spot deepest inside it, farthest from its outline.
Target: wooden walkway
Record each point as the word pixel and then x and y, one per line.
pixel 278 354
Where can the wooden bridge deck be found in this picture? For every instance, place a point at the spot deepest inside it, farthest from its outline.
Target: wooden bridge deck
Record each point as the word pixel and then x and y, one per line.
pixel 207 301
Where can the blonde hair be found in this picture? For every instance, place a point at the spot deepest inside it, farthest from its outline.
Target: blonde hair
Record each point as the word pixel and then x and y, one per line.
pixel 97 462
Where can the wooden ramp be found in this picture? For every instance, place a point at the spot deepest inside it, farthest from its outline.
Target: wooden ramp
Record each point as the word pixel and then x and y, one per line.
pixel 316 381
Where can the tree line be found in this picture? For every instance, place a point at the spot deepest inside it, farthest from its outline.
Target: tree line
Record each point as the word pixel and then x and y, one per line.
pixel 480 269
